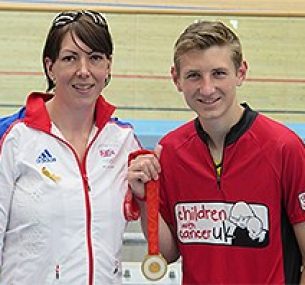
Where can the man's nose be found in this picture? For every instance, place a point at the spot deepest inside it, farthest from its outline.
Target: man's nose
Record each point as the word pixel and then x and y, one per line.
pixel 207 86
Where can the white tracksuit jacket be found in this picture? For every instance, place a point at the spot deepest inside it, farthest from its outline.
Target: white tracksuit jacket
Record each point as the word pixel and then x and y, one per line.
pixel 61 219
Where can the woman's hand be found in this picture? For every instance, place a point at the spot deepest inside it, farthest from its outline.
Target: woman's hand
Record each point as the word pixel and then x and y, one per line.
pixel 143 168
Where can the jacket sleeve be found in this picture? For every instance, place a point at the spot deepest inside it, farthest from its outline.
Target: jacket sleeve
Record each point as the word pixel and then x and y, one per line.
pixel 130 205
pixel 6 121
pixel 7 181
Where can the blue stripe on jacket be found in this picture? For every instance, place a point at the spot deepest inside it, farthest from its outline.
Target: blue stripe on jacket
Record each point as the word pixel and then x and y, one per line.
pixel 6 121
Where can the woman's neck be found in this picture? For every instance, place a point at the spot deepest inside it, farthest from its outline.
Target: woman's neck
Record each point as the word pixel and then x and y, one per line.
pixel 75 126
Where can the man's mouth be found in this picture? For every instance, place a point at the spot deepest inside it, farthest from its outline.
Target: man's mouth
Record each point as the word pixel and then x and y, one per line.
pixel 208 101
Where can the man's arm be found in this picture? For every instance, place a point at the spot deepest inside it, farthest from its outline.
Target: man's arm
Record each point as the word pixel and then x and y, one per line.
pixel 299 230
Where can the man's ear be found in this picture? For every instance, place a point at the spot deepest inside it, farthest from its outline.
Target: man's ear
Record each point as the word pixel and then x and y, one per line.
pixel 175 78
pixel 242 72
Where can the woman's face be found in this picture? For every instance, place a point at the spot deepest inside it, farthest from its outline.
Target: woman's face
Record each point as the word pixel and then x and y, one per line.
pixel 79 73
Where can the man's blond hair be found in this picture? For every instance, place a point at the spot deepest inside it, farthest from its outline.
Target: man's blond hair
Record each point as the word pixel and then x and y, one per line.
pixel 202 35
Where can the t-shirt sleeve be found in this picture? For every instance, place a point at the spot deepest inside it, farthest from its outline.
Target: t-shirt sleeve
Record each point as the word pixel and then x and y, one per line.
pixel 293 178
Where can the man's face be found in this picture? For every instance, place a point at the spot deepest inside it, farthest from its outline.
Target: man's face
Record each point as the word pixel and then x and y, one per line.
pixel 208 80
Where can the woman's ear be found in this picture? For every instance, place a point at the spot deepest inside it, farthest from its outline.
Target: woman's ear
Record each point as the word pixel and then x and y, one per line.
pixel 49 65
pixel 109 67
pixel 109 64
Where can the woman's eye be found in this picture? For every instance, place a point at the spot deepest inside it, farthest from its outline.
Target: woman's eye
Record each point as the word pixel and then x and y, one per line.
pixel 68 58
pixel 96 57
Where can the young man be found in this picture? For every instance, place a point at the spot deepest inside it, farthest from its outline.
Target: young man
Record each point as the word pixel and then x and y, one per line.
pixel 232 185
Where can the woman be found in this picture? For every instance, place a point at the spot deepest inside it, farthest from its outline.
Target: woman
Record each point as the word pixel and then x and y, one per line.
pixel 63 167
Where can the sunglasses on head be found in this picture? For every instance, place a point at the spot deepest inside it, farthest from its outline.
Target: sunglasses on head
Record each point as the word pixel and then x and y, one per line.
pixel 68 17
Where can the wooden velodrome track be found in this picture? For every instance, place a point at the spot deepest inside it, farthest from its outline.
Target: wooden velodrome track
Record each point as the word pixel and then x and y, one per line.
pixel 272 33
pixel 249 7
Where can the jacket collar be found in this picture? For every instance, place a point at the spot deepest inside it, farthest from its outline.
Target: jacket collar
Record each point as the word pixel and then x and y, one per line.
pixel 37 117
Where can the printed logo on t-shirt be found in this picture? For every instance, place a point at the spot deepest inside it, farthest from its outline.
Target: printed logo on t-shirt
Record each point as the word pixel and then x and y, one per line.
pixel 239 224
pixel 302 200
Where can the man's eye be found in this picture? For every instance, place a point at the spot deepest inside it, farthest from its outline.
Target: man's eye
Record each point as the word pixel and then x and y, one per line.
pixel 220 73
pixel 192 75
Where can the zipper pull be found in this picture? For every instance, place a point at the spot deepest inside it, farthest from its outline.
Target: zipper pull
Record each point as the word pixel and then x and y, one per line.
pixel 218 168
pixel 87 182
pixel 57 271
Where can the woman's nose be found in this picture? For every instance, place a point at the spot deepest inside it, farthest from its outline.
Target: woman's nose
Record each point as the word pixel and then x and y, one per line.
pixel 83 68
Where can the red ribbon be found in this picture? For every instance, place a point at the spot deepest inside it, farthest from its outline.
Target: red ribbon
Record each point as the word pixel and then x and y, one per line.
pixel 152 200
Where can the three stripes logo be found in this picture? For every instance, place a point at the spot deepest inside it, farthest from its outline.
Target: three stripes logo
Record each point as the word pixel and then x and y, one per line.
pixel 45 156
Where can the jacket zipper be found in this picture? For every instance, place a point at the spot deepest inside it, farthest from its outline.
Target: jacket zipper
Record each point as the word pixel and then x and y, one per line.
pixel 88 223
pixel 87 189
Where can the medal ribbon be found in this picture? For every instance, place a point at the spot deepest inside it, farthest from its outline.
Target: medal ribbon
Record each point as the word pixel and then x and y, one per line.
pixel 152 200
pixel 152 205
